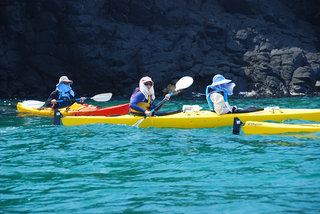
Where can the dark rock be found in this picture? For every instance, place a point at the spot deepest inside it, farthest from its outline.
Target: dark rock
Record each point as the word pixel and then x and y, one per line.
pixel 234 46
pixel 308 12
pixel 266 47
pixel 303 80
pixel 286 72
pixel 269 48
pixel 263 57
pixel 237 6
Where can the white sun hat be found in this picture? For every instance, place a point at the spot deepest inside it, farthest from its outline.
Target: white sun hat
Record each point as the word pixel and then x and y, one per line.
pixel 64 79
pixel 219 79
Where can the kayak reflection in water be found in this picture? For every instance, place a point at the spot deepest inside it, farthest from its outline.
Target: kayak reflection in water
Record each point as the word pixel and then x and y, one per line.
pixel 141 101
pixel 63 95
pixel 217 96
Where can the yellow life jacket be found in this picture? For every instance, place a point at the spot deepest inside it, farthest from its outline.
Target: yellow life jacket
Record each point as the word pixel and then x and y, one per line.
pixel 143 105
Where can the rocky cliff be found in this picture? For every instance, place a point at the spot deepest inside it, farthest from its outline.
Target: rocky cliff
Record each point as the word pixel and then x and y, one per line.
pixel 267 47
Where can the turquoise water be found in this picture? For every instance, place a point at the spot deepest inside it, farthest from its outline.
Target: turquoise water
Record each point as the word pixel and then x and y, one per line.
pixel 122 169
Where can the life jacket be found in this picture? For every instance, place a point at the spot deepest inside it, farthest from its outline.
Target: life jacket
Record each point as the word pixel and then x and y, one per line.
pixel 66 100
pixel 210 103
pixel 144 105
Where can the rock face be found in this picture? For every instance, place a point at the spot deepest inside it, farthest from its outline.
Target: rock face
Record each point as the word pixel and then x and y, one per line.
pixel 268 47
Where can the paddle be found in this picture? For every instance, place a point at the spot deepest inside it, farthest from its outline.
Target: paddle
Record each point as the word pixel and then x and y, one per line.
pixel 99 98
pixel 104 97
pixel 182 83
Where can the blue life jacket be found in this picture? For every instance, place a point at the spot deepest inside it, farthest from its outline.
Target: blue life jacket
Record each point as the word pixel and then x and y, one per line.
pixel 65 93
pixel 66 100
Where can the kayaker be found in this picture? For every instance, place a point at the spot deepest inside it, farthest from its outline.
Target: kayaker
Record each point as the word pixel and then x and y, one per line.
pixel 63 92
pixel 217 94
pixel 217 97
pixel 141 101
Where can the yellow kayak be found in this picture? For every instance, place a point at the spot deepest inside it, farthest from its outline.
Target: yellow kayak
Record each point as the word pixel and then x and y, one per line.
pixel 196 119
pixel 254 127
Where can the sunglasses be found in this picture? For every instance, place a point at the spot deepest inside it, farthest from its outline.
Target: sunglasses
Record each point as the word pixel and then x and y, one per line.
pixel 148 83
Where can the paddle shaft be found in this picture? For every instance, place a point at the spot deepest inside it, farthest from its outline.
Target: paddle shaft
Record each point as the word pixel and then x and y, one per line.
pixel 162 102
pixel 104 97
pixel 77 99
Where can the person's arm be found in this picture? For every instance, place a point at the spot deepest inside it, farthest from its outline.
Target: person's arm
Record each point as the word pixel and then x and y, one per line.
pixel 161 103
pixel 226 101
pixel 53 96
pixel 82 99
pixel 72 98
pixel 138 97
pixel 208 98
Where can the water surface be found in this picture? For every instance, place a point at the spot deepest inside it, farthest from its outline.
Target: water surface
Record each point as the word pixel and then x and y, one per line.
pixel 106 168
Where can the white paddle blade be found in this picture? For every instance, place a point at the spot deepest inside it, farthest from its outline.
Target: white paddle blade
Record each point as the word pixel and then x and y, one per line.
pixel 102 97
pixel 33 103
pixel 184 82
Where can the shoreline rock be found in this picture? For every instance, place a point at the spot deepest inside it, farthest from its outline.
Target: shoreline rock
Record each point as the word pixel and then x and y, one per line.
pixel 270 48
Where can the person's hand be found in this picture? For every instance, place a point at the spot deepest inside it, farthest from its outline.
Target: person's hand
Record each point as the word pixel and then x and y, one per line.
pixel 167 97
pixel 148 113
pixel 54 101
pixel 234 108
pixel 82 99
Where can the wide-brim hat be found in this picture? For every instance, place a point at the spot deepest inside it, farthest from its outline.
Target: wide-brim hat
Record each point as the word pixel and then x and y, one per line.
pixel 146 79
pixel 64 79
pixel 219 80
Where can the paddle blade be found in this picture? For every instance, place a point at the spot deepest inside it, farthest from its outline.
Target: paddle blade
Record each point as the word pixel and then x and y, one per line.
pixel 102 97
pixel 33 103
pixel 184 82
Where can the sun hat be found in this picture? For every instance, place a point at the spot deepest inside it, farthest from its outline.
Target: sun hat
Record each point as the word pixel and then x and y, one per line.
pixel 64 79
pixel 146 79
pixel 219 79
